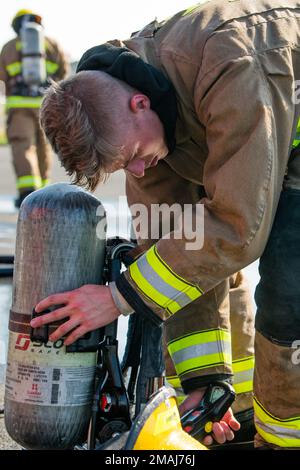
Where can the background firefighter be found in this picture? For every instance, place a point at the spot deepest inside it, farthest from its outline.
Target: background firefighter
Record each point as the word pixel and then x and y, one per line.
pixel 232 147
pixel 31 152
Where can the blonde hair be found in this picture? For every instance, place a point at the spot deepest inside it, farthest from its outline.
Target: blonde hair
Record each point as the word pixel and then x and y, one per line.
pixel 81 123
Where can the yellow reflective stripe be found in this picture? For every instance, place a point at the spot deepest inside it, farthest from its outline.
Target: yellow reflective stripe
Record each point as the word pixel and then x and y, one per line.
pixel 174 381
pixel 169 276
pixel 160 286
pixel 149 291
pixel 243 387
pixel 281 432
pixel 51 67
pixel 239 365
pixel 23 102
pixel 243 370
pixel 14 69
pixel 296 140
pixel 203 362
pixel 29 181
pixel 19 45
pixel 200 350
pixel 159 283
pixel 201 337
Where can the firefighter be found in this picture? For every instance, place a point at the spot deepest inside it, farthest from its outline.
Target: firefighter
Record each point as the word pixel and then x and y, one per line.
pixel 32 155
pixel 199 109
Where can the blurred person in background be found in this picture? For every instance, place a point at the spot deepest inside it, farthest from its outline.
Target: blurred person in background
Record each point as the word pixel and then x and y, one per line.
pixel 27 62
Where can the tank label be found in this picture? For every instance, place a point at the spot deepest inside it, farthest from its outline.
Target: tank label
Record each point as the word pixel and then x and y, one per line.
pixel 24 351
pixel 56 386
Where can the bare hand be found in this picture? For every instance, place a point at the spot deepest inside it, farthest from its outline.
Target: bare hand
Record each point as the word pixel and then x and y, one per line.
pixel 88 308
pixel 222 431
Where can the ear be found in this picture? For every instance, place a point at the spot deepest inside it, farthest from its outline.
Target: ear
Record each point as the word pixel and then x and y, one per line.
pixel 139 102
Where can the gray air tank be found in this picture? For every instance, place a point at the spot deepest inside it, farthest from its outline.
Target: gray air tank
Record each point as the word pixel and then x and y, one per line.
pixel 59 247
pixel 33 54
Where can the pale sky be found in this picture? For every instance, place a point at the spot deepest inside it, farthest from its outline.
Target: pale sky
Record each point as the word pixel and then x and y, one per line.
pixel 79 25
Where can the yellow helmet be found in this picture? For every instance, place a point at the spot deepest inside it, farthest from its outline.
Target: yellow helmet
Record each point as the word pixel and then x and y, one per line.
pixel 17 20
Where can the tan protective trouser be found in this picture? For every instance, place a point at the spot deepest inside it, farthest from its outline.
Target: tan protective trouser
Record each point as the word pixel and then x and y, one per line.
pixel 32 154
pixel 235 310
pixel 227 307
pixel 277 369
pixel 276 388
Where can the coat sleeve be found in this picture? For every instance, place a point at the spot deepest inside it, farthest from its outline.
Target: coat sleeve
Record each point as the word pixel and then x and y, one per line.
pixel 3 71
pixel 242 179
pixel 57 63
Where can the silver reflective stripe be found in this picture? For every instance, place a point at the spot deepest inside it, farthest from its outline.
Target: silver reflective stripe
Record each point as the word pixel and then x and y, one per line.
pixel 191 352
pixel 278 431
pixel 243 376
pixel 160 285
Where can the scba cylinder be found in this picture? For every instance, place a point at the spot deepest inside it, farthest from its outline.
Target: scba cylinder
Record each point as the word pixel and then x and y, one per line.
pixel 59 248
pixel 33 54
